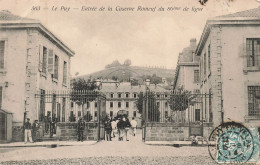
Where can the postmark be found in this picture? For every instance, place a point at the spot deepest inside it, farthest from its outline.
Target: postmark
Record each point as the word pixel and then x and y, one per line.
pixel 232 142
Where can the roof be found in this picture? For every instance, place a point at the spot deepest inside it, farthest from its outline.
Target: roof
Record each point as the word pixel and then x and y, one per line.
pixel 9 20
pixel 247 13
pixel 247 17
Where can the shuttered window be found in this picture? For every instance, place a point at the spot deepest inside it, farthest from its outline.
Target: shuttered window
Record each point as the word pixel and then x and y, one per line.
pixel 1 96
pixel 253 52
pixel 44 60
pixel 56 67
pixel 2 53
pixel 65 68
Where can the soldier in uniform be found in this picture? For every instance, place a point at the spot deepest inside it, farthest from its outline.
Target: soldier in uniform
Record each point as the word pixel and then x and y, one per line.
pixel 81 127
pixel 36 131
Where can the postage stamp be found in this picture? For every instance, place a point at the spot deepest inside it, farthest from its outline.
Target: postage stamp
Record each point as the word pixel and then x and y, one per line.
pixel 232 142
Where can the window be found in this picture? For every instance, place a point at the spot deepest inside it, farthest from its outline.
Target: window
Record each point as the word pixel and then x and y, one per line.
pixel 2 54
pixel 111 104
pixel 158 104
pixel 119 95
pixel 204 64
pixel 209 62
pixel 119 104
pixel 253 100
pixel 127 104
pixel 253 51
pixel 166 95
pixel 71 104
pixel 158 96
pixel 166 114
pixel 196 91
pixel 196 76
pixel 126 95
pixel 135 95
pixel 95 113
pixel 65 70
pixel 44 60
pixel 111 95
pixel 54 100
pixel 111 114
pixel 88 104
pixel 166 104
pixel 79 113
pixel 95 104
pixel 56 68
pixel 134 113
pixel 197 114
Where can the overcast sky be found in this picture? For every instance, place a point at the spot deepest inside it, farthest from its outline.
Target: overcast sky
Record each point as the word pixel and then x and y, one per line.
pixel 146 38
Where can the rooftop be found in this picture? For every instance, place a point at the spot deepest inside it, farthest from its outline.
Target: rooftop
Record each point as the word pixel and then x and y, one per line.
pixel 247 13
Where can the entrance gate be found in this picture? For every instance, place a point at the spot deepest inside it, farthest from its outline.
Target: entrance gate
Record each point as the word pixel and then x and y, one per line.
pixel 184 112
pixel 68 106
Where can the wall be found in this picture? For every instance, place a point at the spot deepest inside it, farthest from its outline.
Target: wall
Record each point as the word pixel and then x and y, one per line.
pixel 13 76
pixel 171 131
pixel 68 131
pixel 237 77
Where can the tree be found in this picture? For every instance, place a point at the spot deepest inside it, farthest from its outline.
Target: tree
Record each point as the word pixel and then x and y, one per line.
pixel 127 62
pixel 82 84
pixel 181 99
pixel 153 109
pixel 114 64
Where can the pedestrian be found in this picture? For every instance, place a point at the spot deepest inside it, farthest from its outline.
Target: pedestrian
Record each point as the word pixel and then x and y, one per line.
pixel 81 128
pixel 133 125
pixel 121 126
pixel 36 131
pixel 127 127
pixel 194 140
pixel 27 131
pixel 114 128
pixel 108 129
pixel 118 125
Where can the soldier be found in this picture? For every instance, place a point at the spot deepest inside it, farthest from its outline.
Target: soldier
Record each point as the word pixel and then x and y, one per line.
pixel 81 127
pixel 27 131
pixel 36 130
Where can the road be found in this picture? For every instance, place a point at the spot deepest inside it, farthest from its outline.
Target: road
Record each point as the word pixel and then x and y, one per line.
pixel 108 152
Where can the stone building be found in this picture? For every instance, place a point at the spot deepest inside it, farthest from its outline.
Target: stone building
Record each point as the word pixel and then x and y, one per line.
pixel 229 51
pixel 32 59
pixel 187 77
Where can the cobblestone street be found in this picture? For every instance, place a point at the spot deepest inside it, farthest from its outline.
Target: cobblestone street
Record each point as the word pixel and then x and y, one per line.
pixel 108 152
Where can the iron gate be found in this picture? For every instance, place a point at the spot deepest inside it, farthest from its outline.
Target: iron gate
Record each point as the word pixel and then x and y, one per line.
pixel 184 109
pixel 70 105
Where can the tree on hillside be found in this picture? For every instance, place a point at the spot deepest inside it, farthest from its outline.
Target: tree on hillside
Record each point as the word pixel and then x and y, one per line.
pixel 127 62
pixel 114 64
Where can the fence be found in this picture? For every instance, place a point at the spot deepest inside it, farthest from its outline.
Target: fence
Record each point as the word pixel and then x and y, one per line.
pixel 189 114
pixel 70 105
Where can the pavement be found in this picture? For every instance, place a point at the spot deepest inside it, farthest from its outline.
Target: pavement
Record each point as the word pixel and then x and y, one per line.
pixel 51 144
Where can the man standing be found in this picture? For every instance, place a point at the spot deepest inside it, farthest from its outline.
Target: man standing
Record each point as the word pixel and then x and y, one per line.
pixel 114 128
pixel 81 127
pixel 108 129
pixel 133 125
pixel 36 131
pixel 27 131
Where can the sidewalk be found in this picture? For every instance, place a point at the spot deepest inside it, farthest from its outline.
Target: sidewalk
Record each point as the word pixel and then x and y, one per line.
pixel 174 143
pixel 51 144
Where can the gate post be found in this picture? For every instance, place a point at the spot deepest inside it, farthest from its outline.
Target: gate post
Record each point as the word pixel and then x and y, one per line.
pixel 99 116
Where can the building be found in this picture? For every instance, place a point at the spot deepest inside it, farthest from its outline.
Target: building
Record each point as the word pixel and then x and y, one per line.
pixel 32 59
pixel 187 70
pixel 230 67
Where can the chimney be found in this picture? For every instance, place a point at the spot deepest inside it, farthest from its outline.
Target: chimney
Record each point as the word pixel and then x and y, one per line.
pixel 193 42
pixel 147 82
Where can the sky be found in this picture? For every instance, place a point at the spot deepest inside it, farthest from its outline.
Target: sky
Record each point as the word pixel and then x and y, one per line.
pixel 147 38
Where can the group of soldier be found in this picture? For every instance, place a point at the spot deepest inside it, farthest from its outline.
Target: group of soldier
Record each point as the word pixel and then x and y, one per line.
pixel 119 126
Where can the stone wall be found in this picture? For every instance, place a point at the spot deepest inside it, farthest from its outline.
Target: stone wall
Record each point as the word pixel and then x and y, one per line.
pixel 171 131
pixel 68 131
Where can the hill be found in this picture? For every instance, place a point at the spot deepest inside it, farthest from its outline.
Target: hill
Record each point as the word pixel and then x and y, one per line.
pixel 125 73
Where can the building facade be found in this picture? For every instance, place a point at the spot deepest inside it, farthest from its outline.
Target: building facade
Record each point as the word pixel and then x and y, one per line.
pixel 32 60
pixel 230 69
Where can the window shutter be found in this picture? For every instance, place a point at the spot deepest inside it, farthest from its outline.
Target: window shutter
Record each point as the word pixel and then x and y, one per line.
pixel 51 62
pixel 40 57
